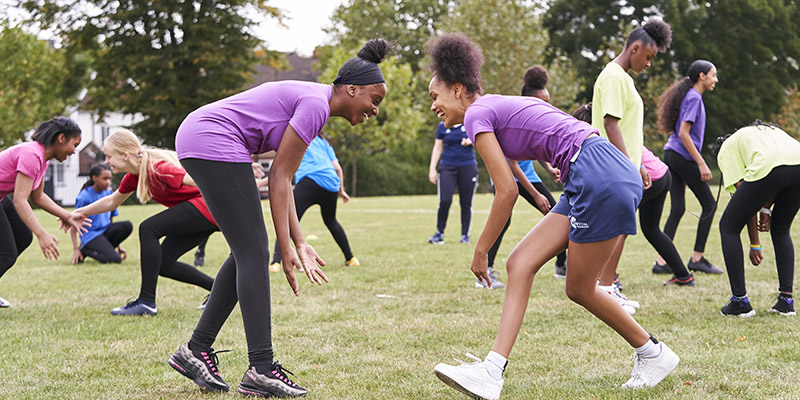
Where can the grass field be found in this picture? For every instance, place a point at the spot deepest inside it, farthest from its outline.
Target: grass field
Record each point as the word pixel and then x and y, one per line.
pixel 345 340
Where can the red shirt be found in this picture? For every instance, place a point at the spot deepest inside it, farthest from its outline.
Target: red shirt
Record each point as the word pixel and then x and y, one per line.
pixel 167 188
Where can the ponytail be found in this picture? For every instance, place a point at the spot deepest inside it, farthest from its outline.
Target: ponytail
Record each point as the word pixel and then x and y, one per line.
pixel 124 141
pixel 669 103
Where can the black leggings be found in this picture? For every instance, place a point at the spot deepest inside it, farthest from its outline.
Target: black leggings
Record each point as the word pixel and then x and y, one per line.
pixel 466 178
pixel 782 185
pixel 650 209
pixel 104 247
pixel 685 172
pixel 15 236
pixel 231 194
pixel 306 194
pixel 541 188
pixel 182 227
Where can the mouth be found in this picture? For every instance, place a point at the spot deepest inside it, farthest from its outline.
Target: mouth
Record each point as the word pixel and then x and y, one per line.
pixel 440 114
pixel 366 116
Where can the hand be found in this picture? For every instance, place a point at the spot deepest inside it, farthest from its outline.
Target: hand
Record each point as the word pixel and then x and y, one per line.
pixel 543 204
pixel 480 267
pixel 49 245
pixel 345 197
pixel 756 256
pixel 555 173
pixel 466 142
pixel 122 253
pixel 77 256
pixel 258 170
pixel 76 221
pixel 305 259
pixel 764 222
pixel 645 178
pixel 705 173
pixel 433 176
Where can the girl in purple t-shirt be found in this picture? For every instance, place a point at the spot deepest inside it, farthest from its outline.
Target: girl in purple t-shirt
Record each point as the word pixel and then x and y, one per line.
pixel 523 128
pixel 22 169
pixel 681 112
pixel 214 144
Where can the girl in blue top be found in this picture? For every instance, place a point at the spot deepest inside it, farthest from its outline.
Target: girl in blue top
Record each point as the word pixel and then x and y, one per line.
pixel 457 168
pixel 102 241
pixel 318 180
pixel 682 113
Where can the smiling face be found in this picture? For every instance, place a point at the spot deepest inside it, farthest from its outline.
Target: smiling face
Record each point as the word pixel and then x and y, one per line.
pixel 709 80
pixel 119 162
pixel 102 181
pixel 641 56
pixel 447 102
pixel 364 101
pixel 64 146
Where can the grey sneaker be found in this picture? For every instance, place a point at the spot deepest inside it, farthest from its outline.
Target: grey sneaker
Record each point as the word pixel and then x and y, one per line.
pixel 494 276
pixel 200 368
pixel 703 266
pixel 273 384
pixel 561 270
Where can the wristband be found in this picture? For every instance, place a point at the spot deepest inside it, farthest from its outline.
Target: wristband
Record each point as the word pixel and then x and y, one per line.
pixel 767 211
pixel 755 247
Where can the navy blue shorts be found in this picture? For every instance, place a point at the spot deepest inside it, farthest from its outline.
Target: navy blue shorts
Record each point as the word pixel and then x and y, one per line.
pixel 601 194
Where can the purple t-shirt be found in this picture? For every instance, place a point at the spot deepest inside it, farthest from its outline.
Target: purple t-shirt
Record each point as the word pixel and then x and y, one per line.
pixel 692 110
pixel 253 121
pixel 528 128
pixel 26 158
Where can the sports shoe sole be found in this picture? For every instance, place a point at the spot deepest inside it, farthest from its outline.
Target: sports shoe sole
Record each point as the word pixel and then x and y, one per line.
pixel 751 313
pixel 660 376
pixel 785 314
pixel 177 366
pixel 455 385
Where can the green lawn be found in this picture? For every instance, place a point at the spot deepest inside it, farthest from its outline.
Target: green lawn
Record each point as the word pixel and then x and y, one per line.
pixel 344 341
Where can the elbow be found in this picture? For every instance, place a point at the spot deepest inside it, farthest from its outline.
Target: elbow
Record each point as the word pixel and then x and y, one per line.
pixel 506 193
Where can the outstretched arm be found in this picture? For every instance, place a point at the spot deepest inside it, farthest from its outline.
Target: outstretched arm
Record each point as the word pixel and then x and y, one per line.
pixel 48 243
pixel 106 204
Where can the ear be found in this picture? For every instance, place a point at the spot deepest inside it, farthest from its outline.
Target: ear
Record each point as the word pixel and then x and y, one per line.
pixel 351 90
pixel 457 89
pixel 61 138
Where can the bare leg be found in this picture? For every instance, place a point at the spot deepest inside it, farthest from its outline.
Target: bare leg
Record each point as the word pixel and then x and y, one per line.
pixel 610 269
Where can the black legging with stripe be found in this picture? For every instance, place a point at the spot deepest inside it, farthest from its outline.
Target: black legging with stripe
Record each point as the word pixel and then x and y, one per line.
pixel 650 209
pixel 466 178
pixel 15 236
pixel 782 185
pixel 182 227
pixel 306 194
pixel 685 172
pixel 541 188
pixel 232 197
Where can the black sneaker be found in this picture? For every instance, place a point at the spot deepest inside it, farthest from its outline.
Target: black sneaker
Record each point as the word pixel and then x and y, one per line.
pixel 688 281
pixel 739 308
pixel 616 282
pixel 661 269
pixel 273 384
pixel 561 270
pixel 201 367
pixel 199 258
pixel 784 306
pixel 703 266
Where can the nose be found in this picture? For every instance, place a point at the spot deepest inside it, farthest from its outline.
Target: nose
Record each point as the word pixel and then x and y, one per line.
pixel 433 106
pixel 376 110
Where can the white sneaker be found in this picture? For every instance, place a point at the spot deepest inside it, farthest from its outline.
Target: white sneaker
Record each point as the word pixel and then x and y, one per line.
pixel 4 303
pixel 647 372
pixel 494 277
pixel 471 379
pixel 630 306
pixel 618 294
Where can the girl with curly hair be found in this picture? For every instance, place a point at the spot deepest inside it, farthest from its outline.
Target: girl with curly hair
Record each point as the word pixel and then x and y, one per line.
pixel 682 113
pixel 760 164
pixel 214 144
pixel 526 128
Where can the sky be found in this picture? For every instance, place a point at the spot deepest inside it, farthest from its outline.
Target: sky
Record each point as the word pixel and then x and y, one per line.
pixel 304 19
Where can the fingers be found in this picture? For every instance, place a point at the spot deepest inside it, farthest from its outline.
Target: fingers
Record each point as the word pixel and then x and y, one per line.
pixel 289 272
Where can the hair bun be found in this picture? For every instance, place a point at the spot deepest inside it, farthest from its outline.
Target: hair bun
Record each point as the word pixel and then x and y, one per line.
pixel 375 50
pixel 536 77
pixel 660 31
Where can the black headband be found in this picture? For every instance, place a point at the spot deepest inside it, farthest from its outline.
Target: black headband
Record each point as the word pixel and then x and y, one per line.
pixel 357 71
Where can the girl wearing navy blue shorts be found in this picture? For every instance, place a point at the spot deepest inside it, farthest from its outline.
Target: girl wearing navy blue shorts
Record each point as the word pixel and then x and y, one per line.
pixel 529 128
pixel 457 168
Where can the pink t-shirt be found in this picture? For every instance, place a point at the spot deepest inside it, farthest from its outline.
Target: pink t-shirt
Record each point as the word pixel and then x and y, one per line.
pixel 27 158
pixel 654 166
pixel 253 121
pixel 528 128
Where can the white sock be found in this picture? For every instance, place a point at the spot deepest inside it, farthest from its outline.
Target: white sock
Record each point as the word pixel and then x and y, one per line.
pixel 649 349
pixel 606 288
pixel 495 364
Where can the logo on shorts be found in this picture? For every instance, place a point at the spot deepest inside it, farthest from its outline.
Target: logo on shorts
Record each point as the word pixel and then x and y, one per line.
pixel 577 224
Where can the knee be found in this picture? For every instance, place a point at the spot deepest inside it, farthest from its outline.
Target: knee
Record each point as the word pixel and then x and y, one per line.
pixel 126 227
pixel 148 228
pixel 445 203
pixel 575 294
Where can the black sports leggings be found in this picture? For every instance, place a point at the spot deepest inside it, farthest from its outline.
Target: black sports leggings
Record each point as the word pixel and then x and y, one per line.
pixel 15 236
pixel 782 185
pixel 306 194
pixel 466 178
pixel 650 209
pixel 541 188
pixel 231 194
pixel 685 172
pixel 104 247
pixel 182 227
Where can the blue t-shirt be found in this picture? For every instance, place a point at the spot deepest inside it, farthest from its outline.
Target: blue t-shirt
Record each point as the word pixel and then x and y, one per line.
pixel 692 110
pixel 527 169
pixel 317 164
pixel 100 222
pixel 453 153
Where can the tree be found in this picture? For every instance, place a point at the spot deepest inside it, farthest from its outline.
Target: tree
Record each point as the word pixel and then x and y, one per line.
pixel 159 58
pixel 32 88
pixel 402 113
